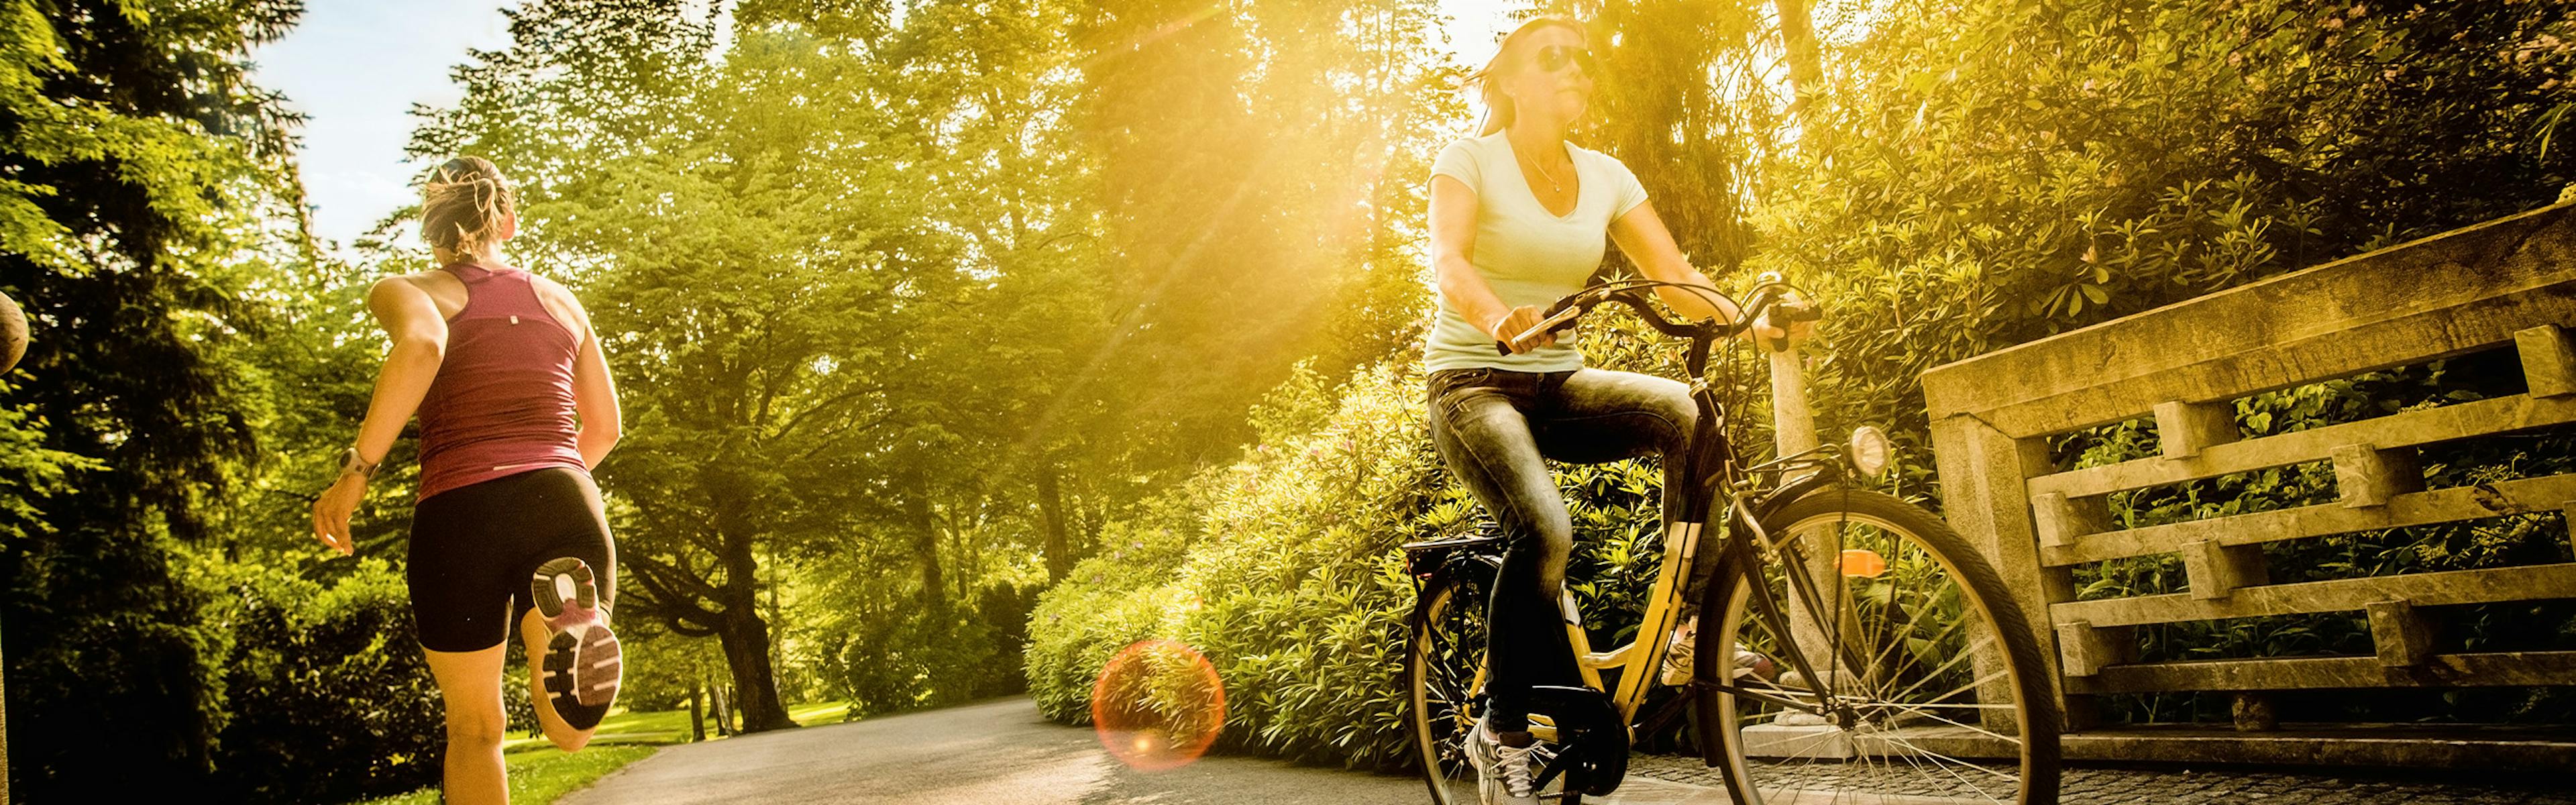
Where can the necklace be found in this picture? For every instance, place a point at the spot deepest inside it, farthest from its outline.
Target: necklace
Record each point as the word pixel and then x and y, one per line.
pixel 1552 184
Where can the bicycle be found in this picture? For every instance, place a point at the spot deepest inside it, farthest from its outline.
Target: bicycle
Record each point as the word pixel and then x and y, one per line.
pixel 1932 688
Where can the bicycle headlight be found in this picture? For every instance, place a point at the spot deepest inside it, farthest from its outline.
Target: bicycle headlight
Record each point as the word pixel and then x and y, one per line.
pixel 1869 451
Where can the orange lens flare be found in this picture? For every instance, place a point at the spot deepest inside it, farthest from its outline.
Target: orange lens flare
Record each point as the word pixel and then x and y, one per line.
pixel 1158 705
pixel 1864 563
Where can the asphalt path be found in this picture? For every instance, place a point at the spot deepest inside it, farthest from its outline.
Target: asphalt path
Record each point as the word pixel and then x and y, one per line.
pixel 996 753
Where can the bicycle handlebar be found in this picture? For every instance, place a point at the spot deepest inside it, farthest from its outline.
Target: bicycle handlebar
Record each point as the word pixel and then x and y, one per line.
pixel 1564 312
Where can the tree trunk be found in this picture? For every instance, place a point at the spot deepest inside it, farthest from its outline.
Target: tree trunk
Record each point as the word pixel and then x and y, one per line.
pixel 697 717
pixel 724 712
pixel 1806 70
pixel 925 544
pixel 745 638
pixel 1059 545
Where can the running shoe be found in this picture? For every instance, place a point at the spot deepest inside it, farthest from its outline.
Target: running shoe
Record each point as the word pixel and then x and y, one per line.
pixel 583 663
pixel 1503 773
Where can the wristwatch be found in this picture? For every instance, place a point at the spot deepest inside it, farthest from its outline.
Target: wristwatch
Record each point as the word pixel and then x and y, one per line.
pixel 350 465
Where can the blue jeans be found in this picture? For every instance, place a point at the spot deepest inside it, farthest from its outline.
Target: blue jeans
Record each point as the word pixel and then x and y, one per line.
pixel 1495 428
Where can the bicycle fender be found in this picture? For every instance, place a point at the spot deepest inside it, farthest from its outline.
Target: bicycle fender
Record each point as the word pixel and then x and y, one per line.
pixel 1793 490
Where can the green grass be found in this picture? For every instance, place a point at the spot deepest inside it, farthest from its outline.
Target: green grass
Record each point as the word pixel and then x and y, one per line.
pixel 815 715
pixel 539 776
pixel 658 727
pixel 540 773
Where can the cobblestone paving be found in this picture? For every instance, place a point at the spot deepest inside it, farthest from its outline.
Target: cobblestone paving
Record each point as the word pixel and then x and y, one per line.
pixel 2094 785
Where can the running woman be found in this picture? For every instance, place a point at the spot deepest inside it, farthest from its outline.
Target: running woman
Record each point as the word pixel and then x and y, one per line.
pixel 1518 218
pixel 515 408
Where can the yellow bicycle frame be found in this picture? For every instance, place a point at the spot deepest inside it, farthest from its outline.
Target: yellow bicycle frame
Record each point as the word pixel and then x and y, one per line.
pixel 1638 659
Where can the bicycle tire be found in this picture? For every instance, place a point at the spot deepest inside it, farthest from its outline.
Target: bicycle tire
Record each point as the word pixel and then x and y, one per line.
pixel 1442 699
pixel 2036 716
pixel 1439 707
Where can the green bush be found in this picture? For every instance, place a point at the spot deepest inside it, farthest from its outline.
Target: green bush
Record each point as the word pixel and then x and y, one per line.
pixel 339 660
pixel 1283 570
pixel 917 658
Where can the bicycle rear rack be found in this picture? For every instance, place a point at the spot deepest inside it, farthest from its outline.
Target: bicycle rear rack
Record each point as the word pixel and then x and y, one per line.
pixel 1422 559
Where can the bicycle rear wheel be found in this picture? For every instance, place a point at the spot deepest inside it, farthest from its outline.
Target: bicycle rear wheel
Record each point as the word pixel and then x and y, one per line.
pixel 1444 673
pixel 1930 687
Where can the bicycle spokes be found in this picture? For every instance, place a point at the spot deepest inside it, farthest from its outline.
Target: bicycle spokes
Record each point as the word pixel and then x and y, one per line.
pixel 1901 689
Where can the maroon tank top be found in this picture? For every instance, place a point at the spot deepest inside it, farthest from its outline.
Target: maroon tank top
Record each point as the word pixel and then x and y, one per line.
pixel 502 403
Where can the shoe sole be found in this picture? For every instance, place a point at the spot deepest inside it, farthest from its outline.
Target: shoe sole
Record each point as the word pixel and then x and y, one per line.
pixel 584 663
pixel 582 673
pixel 547 588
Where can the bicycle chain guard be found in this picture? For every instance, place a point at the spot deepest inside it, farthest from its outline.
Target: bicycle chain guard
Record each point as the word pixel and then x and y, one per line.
pixel 1589 736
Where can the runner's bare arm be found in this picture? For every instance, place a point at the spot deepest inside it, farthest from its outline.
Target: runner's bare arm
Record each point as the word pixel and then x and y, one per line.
pixel 419 335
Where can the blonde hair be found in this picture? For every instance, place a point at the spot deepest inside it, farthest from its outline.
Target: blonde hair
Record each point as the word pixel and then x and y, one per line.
pixel 464 204
pixel 1498 106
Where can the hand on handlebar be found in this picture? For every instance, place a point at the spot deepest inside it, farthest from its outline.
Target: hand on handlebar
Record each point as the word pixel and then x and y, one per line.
pixel 1787 323
pixel 1520 320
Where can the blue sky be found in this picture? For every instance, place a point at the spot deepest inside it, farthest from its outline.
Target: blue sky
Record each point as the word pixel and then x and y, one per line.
pixel 355 67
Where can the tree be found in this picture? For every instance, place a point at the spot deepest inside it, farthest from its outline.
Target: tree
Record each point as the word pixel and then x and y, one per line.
pixel 583 82
pixel 139 158
pixel 1681 103
pixel 1806 70
pixel 1246 161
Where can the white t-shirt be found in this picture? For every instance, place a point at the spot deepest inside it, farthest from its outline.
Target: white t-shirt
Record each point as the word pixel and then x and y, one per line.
pixel 1529 255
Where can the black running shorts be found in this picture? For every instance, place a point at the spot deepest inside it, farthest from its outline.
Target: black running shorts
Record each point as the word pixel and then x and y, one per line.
pixel 475 548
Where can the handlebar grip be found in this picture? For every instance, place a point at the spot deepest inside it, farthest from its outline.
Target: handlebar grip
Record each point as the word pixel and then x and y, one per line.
pixel 1559 317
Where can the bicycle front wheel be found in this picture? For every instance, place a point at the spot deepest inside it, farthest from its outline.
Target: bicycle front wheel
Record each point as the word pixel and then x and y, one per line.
pixel 1927 683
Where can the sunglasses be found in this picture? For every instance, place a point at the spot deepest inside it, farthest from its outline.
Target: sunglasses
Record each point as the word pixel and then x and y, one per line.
pixel 1554 58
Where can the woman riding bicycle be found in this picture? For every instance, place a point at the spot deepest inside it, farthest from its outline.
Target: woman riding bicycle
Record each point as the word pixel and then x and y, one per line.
pixel 515 407
pixel 1518 216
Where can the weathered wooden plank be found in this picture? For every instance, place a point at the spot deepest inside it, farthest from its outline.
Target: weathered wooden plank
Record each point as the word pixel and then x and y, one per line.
pixel 2503 669
pixel 2409 429
pixel 2182 428
pixel 2453 293
pixel 2367 476
pixel 2403 635
pixel 2524 496
pixel 2548 360
pixel 2423 589
pixel 2215 571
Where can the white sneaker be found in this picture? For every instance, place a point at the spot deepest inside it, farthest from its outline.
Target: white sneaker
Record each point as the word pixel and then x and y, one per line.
pixel 1503 774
